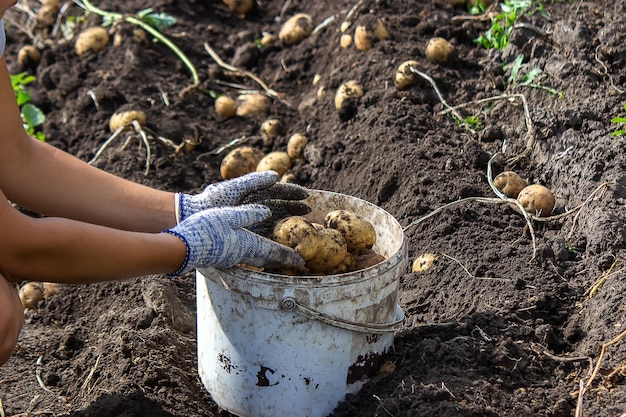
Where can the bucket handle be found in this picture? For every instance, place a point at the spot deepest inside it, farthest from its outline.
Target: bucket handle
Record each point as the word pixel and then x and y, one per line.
pixel 289 304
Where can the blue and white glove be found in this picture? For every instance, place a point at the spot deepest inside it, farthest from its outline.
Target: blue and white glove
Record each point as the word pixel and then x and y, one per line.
pixel 255 188
pixel 219 237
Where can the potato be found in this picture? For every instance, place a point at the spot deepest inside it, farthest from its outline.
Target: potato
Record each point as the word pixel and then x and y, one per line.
pixel 226 106
pixel 509 183
pixel 357 231
pixel 91 39
pixel 126 118
pixel 346 40
pixel 50 289
pixel 347 265
pixel 439 50
pixel 331 251
pixel 369 30
pixel 404 77
pixel 295 146
pixel 298 233
pixel 28 56
pixel 289 179
pixel 346 92
pixel 253 105
pixel 47 16
pixel 240 7
pixel 240 161
pixel 30 295
pixel 537 199
pixel 296 29
pixel 271 129
pixel 424 262
pixel 277 161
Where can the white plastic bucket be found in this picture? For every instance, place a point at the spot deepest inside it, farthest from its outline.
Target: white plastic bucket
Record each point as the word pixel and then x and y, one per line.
pixel 273 345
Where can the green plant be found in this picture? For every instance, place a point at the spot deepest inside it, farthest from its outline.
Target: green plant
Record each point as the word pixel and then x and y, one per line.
pixel 149 21
pixel 498 35
pixel 621 131
pixel 32 116
pixel 516 79
pixel 472 122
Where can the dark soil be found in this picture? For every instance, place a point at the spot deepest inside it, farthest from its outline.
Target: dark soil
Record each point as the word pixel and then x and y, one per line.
pixel 490 329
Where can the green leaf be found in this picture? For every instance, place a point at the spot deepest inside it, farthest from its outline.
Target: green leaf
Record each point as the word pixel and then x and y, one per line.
pixel 157 20
pixel 618 120
pixel 22 97
pixel 33 115
pixel 527 79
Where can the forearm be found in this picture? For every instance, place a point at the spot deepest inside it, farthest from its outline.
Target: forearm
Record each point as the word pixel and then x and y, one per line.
pixel 54 183
pixel 67 251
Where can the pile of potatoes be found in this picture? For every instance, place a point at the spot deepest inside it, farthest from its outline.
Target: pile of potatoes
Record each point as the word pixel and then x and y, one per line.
pixel 536 199
pixel 342 243
pixel 245 159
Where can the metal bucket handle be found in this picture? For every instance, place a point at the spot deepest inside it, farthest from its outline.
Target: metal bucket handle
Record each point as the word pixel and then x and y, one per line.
pixel 289 304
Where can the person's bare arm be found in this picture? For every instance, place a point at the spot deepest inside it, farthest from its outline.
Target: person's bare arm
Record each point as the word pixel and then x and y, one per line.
pixel 11 319
pixel 51 182
pixel 68 251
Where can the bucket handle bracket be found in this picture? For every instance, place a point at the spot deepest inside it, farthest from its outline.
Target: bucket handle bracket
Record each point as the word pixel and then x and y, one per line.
pixel 289 304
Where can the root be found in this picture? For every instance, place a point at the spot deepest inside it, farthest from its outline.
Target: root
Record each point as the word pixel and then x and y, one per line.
pixel 85 387
pixel 530 135
pixel 38 366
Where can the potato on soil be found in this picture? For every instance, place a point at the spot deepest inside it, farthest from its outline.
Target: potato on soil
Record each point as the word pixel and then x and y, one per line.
pixel 31 294
pixel 91 39
pixel 331 251
pixel 226 106
pixel 126 118
pixel 295 146
pixel 277 161
pixel 47 15
pixel 253 105
pixel 424 262
pixel 439 50
pixel 240 7
pixel 346 92
pixel 50 289
pixel 509 183
pixel 240 161
pixel 298 233
pixel 28 56
pixel 346 40
pixel 405 77
pixel 537 199
pixel 358 232
pixel 271 129
pixel 369 30
pixel 296 29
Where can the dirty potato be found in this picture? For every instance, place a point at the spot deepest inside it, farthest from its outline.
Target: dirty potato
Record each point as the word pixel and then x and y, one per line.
pixel 298 233
pixel 253 105
pixel 358 232
pixel 91 39
pixel 331 250
pixel 240 161
pixel 537 199
pixel 509 183
pixel 295 146
pixel 405 76
pixel 278 161
pixel 439 50
pixel 126 118
pixel 296 29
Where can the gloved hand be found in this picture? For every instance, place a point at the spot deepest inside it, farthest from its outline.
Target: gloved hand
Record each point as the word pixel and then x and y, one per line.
pixel 218 237
pixel 258 187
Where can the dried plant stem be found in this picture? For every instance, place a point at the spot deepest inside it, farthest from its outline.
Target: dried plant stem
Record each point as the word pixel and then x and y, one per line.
pixel 38 366
pixel 601 357
pixel 243 73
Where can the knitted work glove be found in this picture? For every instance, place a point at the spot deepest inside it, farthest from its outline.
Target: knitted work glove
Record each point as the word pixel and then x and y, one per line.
pixel 255 188
pixel 218 237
